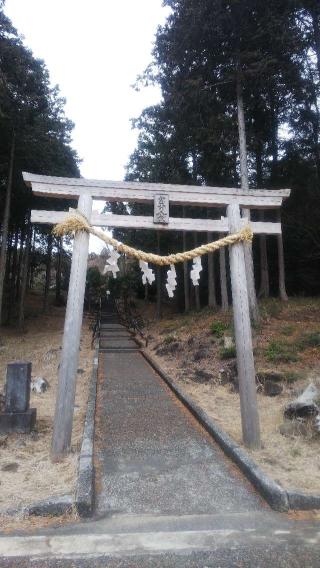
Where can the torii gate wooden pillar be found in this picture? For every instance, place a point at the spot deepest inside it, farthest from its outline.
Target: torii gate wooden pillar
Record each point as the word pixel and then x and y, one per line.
pixel 234 200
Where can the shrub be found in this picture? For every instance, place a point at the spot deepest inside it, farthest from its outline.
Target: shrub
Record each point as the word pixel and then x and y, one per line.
pixel 218 328
pixel 281 352
pixel 228 353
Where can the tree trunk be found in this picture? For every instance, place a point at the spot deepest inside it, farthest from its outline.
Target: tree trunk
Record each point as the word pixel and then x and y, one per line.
pixel 274 139
pixel 58 271
pixel 14 257
pixel 282 279
pixel 24 279
pixel 31 263
pixel 264 291
pixel 242 136
pixel 196 288
pixel 315 14
pixel 254 309
pixel 223 278
pixel 185 269
pixel 212 299
pixel 48 274
pixel 20 258
pixel 9 255
pixel 274 170
pixel 13 276
pixel 5 224
pixel 158 281
pixel 315 123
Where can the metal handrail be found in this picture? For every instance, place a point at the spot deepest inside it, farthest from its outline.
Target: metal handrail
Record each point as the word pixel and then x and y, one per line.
pixel 96 326
pixel 129 319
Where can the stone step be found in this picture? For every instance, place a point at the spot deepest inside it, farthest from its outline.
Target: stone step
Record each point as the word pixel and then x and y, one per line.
pixel 119 350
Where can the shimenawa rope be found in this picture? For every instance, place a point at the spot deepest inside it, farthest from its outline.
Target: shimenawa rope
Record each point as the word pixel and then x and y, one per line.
pixel 76 221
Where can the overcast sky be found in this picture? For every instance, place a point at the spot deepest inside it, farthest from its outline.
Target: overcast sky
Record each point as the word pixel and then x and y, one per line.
pixel 94 52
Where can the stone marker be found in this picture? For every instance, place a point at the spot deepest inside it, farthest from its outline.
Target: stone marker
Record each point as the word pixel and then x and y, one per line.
pixel 18 386
pixel 18 417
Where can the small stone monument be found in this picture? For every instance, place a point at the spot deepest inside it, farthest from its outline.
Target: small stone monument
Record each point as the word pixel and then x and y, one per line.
pixel 17 416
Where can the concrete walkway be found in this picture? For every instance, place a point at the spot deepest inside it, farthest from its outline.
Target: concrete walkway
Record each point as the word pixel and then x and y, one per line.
pixel 152 456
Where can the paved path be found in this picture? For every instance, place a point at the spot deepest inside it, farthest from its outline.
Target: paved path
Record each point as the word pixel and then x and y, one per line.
pixel 152 455
pixel 166 496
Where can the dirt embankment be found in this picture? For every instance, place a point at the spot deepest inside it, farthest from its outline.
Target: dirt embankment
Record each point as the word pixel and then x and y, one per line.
pixel 27 473
pixel 192 349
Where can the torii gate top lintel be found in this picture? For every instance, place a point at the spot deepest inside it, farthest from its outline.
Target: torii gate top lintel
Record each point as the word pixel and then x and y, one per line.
pixel 63 187
pixel 161 195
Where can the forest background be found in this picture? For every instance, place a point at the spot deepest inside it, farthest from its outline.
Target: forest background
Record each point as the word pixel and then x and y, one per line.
pixel 210 58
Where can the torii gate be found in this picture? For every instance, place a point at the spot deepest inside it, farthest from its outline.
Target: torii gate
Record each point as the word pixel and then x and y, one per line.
pixel 234 200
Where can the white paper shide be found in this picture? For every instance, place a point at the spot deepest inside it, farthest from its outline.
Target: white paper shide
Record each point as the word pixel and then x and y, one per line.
pixel 171 280
pixel 112 263
pixel 196 269
pixel 147 273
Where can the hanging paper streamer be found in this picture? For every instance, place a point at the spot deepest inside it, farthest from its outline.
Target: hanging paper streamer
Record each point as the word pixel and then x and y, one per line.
pixel 112 263
pixel 195 272
pixel 147 273
pixel 171 280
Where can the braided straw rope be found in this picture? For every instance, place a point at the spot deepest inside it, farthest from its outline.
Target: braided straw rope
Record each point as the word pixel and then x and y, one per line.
pixel 77 222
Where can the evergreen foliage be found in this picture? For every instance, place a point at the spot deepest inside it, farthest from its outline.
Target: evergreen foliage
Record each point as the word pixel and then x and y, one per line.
pixel 35 136
pixel 201 53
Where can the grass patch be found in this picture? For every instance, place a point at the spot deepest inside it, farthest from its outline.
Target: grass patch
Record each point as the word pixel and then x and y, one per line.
pixel 292 376
pixel 218 328
pixel 228 353
pixel 271 308
pixel 169 339
pixel 169 327
pixel 285 352
pixel 310 339
pixel 281 352
pixel 288 330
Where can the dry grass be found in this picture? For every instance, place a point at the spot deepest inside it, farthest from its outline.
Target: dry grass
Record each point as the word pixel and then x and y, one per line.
pixel 293 462
pixel 9 524
pixel 36 476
